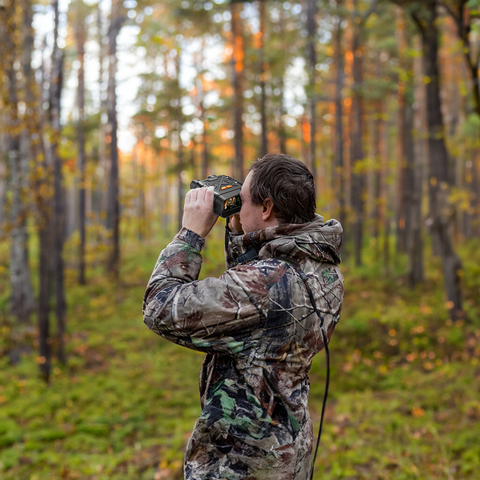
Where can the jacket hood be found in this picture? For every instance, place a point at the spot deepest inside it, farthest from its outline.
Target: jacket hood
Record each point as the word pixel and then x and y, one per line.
pixel 318 240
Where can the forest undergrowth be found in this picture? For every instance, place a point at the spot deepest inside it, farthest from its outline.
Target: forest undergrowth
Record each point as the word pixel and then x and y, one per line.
pixel 404 397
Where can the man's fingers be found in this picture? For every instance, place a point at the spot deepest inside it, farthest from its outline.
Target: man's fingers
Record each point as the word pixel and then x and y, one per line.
pixel 209 196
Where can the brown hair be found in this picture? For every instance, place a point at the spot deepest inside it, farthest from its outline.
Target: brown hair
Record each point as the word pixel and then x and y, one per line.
pixel 288 183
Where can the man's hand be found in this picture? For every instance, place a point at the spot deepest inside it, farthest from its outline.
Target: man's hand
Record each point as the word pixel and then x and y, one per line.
pixel 235 224
pixel 198 213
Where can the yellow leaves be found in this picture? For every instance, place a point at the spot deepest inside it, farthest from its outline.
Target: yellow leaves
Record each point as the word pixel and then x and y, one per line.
pixel 449 305
pixel 40 360
pixel 3 398
pixel 392 332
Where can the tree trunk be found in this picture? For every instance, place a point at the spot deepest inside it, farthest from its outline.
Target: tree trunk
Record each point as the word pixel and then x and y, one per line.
pixel 237 69
pixel 180 198
pixel 203 119
pixel 21 293
pixel 81 160
pixel 378 138
pixel 279 79
pixel 104 170
pixel 312 62
pixel 261 70
pixel 414 202
pixel 438 171
pixel 463 17
pixel 339 82
pixel 58 194
pixel 358 177
pixel 402 184
pixel 113 200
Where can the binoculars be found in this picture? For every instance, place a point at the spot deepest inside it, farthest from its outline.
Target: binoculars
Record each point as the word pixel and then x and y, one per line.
pixel 226 200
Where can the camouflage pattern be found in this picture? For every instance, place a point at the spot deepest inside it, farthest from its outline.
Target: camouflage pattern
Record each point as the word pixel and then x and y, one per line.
pixel 258 328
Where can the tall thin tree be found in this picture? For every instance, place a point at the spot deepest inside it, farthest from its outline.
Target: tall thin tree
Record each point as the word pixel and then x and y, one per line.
pixel 113 201
pixel 80 37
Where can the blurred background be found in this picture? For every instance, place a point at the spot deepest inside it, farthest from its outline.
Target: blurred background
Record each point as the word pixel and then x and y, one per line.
pixel 108 110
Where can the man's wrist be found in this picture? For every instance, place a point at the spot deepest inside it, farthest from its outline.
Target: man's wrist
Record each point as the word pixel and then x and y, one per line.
pixel 192 238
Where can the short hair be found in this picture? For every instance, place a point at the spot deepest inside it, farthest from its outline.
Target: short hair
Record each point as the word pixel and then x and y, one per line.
pixel 288 183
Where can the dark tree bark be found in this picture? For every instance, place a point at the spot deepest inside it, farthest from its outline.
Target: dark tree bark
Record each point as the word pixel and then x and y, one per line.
pixel 261 74
pixel 378 138
pixel 58 195
pixel 102 157
pixel 339 83
pixel 312 62
pixel 402 184
pixel 113 200
pixel 425 17
pixel 281 131
pixel 237 80
pixel 178 125
pixel 180 197
pixel 358 177
pixel 80 37
pixel 415 242
pixel 414 206
pixel 460 12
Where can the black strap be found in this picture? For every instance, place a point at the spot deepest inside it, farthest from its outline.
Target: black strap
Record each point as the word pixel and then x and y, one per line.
pixel 247 257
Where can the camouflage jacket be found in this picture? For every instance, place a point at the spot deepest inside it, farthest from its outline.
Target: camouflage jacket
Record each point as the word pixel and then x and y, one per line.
pixel 260 333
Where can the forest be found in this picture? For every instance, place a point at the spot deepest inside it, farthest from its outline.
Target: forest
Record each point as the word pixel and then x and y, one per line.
pixel 108 111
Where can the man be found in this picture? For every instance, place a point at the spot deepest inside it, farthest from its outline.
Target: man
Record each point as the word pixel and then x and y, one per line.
pixel 256 322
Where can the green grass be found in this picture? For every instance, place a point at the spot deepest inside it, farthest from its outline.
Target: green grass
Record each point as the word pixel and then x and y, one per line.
pixel 404 395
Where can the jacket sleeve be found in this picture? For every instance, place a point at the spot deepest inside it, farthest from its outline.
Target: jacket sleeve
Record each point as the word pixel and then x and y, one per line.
pixel 214 315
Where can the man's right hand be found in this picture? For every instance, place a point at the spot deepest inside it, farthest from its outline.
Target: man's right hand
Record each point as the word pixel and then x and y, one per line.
pixel 235 224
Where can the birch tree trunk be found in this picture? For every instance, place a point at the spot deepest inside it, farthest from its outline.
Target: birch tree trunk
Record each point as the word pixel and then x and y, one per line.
pixel 21 292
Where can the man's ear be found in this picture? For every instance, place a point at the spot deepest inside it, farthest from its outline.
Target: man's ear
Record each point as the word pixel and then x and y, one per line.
pixel 267 210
